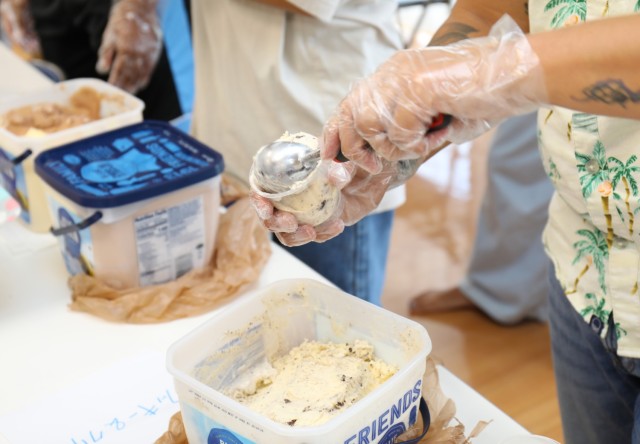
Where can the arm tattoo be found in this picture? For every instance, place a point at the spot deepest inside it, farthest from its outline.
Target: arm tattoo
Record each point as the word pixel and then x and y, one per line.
pixel 611 92
pixel 455 31
pixel 526 7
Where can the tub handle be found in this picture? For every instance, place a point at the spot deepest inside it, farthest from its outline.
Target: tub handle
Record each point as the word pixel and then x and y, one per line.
pixel 8 165
pixel 426 422
pixel 95 217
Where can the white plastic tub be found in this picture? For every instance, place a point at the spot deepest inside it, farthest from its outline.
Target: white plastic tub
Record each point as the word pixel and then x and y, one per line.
pixel 117 109
pixel 135 206
pixel 268 323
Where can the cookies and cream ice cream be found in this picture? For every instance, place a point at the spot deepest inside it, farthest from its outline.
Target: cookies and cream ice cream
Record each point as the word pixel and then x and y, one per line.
pixel 312 198
pixel 313 382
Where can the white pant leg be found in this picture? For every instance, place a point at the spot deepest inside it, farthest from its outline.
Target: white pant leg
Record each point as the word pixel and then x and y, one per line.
pixel 507 276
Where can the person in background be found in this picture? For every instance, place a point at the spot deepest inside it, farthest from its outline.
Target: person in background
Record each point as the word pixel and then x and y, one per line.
pixel 507 274
pixel 576 63
pixel 266 67
pixel 118 41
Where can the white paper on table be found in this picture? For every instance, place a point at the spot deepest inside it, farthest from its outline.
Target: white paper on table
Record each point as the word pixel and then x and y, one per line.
pixel 130 402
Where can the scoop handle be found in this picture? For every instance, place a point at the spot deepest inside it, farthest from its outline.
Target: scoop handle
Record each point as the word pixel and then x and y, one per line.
pixel 441 121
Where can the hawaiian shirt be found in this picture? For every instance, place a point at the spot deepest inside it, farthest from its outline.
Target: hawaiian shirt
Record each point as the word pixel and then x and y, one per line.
pixel 593 232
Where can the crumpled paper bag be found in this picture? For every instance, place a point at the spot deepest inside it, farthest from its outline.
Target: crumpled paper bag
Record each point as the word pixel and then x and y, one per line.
pixel 444 428
pixel 241 251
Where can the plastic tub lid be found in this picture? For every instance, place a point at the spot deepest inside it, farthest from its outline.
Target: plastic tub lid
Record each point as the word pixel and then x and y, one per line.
pixel 127 165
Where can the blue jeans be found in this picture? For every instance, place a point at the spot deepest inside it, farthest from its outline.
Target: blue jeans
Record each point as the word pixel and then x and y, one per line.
pixel 597 390
pixel 356 260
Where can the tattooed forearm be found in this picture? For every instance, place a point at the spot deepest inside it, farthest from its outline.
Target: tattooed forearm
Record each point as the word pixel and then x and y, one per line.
pixel 611 92
pixel 452 33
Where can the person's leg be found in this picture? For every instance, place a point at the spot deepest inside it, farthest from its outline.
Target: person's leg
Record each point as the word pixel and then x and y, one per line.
pixel 597 397
pixel 507 276
pixel 355 260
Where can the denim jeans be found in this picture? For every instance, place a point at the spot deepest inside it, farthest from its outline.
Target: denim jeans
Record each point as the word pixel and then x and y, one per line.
pixel 597 390
pixel 356 260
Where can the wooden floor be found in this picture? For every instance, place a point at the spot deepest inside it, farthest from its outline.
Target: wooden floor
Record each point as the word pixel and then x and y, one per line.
pixel 430 248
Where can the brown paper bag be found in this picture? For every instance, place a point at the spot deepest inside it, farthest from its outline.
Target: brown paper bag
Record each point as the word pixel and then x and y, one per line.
pixel 241 251
pixel 444 428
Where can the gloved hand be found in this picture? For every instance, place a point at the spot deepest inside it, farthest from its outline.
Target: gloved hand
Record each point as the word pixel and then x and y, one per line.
pixel 131 44
pixel 479 82
pixel 17 27
pixel 360 194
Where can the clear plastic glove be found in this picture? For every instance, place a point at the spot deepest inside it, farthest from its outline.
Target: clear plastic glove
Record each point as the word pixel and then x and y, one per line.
pixel 17 27
pixel 131 44
pixel 360 194
pixel 479 82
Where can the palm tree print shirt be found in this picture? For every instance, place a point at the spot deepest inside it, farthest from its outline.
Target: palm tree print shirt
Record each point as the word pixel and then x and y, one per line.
pixel 593 232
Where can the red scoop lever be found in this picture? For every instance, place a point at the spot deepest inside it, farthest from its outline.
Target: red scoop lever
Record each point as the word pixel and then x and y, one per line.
pixel 441 121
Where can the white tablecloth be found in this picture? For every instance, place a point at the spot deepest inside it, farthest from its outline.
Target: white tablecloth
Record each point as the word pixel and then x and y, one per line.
pixel 47 348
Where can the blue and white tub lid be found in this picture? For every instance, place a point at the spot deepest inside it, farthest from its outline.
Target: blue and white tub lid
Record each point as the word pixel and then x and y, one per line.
pixel 128 165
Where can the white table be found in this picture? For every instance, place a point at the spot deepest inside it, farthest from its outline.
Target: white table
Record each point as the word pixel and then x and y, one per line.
pixel 45 348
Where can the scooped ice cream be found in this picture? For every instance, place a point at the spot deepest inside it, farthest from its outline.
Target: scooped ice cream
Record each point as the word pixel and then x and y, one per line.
pixel 312 199
pixel 314 382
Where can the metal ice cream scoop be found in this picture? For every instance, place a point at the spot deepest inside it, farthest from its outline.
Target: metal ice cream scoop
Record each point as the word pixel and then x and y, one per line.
pixel 279 165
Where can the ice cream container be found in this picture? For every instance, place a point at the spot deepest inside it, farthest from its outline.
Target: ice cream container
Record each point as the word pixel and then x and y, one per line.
pixel 135 206
pixel 17 176
pixel 267 323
